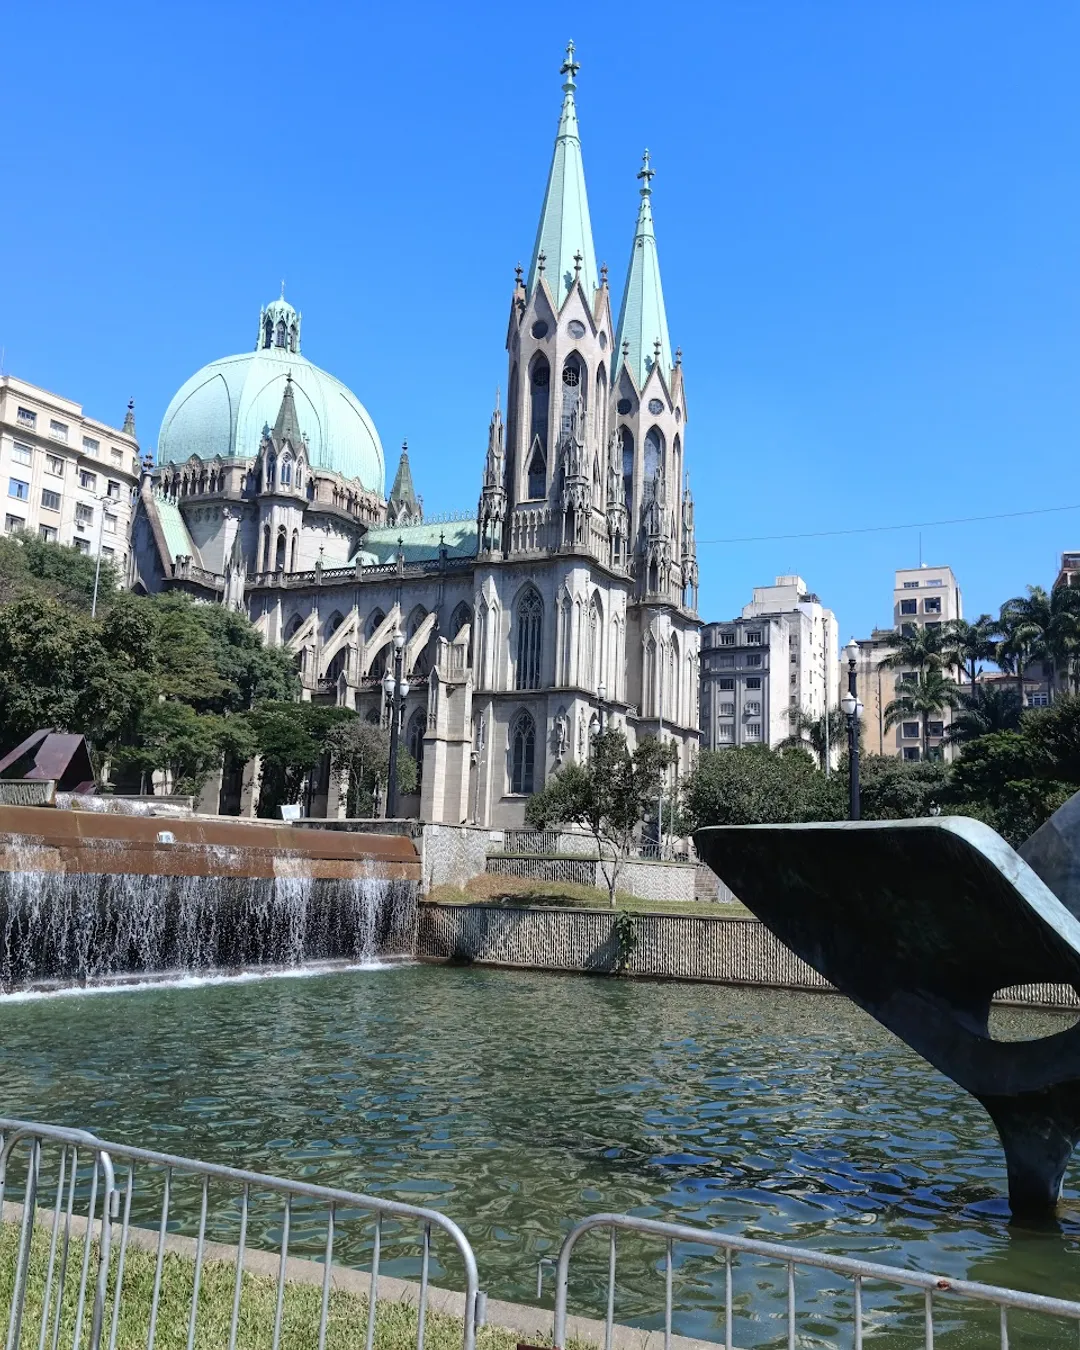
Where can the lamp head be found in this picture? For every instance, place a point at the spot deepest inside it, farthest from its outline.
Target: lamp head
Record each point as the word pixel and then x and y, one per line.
pixel 399 640
pixel 851 652
pixel 403 689
pixel 849 703
pixel 388 685
pixel 601 692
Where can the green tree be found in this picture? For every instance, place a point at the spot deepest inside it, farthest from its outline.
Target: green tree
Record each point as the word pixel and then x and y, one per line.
pixel 174 739
pixel 1041 626
pixel 608 796
pixel 292 739
pixel 756 785
pixel 987 709
pixel 925 695
pixel 894 789
pixel 29 566
pixel 816 733
pixel 969 644
pixel 360 753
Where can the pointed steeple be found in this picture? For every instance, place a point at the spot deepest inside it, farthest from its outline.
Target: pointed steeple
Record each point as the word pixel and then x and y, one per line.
pixel 287 426
pixel 129 420
pixel 643 330
pixel 403 504
pixel 565 230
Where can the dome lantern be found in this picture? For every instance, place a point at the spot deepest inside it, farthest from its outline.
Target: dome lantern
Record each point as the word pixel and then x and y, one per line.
pixel 279 326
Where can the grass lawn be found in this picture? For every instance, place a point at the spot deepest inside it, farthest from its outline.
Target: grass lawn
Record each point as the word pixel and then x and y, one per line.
pixel 488 889
pixel 395 1323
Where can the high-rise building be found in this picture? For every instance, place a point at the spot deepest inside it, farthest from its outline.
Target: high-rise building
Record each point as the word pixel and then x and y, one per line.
pixel 758 672
pixel 65 476
pixel 923 597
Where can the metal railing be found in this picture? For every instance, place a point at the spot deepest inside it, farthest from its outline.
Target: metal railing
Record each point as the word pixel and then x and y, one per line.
pixel 87 1204
pixel 860 1273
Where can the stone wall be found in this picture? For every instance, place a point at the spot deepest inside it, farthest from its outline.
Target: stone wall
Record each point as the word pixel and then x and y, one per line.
pixel 451 855
pixel 672 946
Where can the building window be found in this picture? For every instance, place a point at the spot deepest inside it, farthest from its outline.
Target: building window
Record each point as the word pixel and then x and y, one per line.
pixel 753 638
pixel 935 728
pixel 537 474
pixel 48 533
pixel 58 430
pixel 911 752
pixel 88 480
pixel 90 445
pixel 908 629
pixel 82 545
pixel 22 454
pixel 753 731
pixel 13 523
pixel 909 606
pixel 936 581
pixel 117 455
pixel 114 488
pixel 753 708
pixel 933 623
pixel 109 524
pixel 17 488
pixel 754 682
pixel 530 626
pixel 727 684
pixel 910 730
pixel 754 659
pixel 1038 700
pixel 725 733
pixel 726 710
pixel 522 753
pixel 107 552
pixel 50 501
pixel 932 604
pixel 727 639
pixel 726 660
pixel 84 513
pixel 54 465
pixel 26 418
pixel 914 585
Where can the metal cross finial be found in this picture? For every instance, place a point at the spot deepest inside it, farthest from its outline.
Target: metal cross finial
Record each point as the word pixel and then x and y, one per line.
pixel 541 262
pixel 603 274
pixel 626 347
pixel 646 174
pixel 577 263
pixel 517 273
pixel 678 356
pixel 570 67
pixel 404 447
pixel 656 349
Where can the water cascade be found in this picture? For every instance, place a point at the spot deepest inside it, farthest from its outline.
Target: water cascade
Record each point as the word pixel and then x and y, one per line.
pixel 138 899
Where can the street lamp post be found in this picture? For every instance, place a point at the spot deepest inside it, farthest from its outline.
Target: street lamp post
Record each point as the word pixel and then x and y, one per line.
pixel 601 696
pixel 395 691
pixel 852 711
pixel 97 566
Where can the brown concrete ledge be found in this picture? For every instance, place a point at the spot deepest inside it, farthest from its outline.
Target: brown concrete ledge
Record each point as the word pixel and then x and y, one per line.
pixel 532 1324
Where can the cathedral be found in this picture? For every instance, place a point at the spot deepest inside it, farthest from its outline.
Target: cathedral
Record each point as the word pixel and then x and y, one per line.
pixel 567 602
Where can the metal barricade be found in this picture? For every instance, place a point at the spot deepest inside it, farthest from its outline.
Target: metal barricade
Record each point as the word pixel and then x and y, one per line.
pixel 100 1208
pixel 932 1287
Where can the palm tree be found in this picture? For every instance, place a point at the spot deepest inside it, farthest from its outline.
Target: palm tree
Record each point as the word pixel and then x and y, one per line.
pixel 929 693
pixel 1040 626
pixel 988 708
pixel 919 649
pixel 818 734
pixel 970 643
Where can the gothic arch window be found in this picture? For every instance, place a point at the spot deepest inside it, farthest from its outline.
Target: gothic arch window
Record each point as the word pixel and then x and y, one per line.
pixel 266 549
pixel 294 626
pixel 595 645
pixel 294 550
pixel 337 665
pixel 460 617
pixel 512 432
pixel 375 618
pixel 422 664
pixel 299 477
pixel 575 386
pixel 279 552
pixel 293 337
pixel 626 436
pixel 600 405
pixel 311 489
pixel 539 397
pixel 377 668
pixel 676 455
pixel 537 484
pixel 414 742
pixel 279 335
pixel 671 681
pixel 271 472
pixel 522 753
pixel 648 677
pixel 530 634
pixel 334 622
pixel 268 332
pixel 654 454
pixel 286 472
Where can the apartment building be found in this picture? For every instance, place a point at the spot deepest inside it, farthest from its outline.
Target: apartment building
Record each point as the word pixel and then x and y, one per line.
pixel 923 597
pixel 780 655
pixel 66 476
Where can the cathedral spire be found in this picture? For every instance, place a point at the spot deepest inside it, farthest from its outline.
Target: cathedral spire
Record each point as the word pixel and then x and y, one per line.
pixel 565 229
pixel 287 426
pixel 129 420
pixel 403 505
pixel 642 319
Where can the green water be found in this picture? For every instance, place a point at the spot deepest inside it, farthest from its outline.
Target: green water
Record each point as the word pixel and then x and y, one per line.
pixel 519 1102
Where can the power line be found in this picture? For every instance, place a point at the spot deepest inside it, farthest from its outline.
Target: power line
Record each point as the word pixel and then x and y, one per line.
pixel 880 529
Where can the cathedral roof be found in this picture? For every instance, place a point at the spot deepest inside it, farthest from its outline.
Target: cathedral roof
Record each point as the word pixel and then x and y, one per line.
pixel 422 542
pixel 222 408
pixel 643 318
pixel 177 539
pixel 403 493
pixel 565 231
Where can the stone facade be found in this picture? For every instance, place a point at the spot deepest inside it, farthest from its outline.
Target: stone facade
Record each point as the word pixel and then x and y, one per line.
pixel 566 603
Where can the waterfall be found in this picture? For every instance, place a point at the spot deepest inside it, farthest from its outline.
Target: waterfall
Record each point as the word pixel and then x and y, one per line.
pixel 82 926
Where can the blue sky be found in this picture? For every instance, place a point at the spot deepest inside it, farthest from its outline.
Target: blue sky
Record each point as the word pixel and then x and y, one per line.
pixel 868 219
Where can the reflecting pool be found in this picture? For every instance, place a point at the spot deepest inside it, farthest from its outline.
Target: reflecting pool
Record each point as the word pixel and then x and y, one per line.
pixel 520 1102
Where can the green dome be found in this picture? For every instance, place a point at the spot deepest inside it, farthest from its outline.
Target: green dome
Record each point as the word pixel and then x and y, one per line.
pixel 223 408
